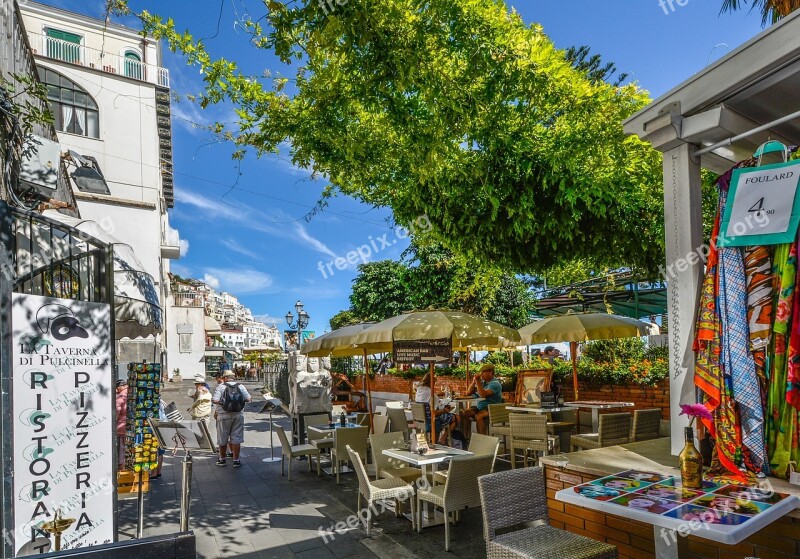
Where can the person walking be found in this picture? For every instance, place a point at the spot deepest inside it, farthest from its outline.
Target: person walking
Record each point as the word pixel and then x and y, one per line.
pixel 201 407
pixel 230 398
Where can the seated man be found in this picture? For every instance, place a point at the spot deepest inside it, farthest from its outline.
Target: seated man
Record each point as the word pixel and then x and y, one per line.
pixel 488 390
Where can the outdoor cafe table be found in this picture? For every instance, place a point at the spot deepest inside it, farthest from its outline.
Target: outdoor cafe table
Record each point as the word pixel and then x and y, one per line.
pixel 428 462
pixel 652 498
pixel 564 435
pixel 327 430
pixel 596 406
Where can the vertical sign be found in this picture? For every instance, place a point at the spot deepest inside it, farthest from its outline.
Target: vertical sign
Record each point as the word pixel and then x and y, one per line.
pixel 62 391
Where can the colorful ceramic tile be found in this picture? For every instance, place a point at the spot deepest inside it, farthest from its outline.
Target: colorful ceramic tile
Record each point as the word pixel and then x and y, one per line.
pixel 597 492
pixel 647 477
pixel 655 505
pixel 726 503
pixel 708 486
pixel 708 516
pixel 755 494
pixel 623 484
pixel 671 493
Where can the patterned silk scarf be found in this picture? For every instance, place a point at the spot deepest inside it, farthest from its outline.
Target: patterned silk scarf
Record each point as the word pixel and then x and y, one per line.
pixel 758 267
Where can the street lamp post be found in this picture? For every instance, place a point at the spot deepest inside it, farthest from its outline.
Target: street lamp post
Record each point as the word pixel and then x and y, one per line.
pixel 302 320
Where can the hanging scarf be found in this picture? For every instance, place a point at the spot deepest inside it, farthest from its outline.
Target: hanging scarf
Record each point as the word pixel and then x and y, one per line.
pixel 758 267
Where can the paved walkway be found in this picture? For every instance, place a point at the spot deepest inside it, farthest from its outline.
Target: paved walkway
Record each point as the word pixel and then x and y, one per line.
pixel 253 512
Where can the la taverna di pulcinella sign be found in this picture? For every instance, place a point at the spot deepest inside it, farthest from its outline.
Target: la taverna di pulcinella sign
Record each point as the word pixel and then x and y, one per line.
pixel 63 411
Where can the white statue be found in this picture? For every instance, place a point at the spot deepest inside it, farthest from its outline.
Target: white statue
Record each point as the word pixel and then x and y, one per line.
pixel 309 385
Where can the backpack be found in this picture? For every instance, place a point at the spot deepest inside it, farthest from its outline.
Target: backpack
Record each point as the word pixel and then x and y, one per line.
pixel 232 399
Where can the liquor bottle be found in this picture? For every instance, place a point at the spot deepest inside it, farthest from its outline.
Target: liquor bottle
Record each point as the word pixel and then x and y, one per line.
pixel 342 419
pixel 691 463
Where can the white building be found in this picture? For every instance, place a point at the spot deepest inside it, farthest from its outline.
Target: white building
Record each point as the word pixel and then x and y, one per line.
pixel 111 102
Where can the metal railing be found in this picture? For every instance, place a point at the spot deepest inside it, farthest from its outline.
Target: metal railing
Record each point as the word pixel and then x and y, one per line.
pixel 189 299
pixel 74 53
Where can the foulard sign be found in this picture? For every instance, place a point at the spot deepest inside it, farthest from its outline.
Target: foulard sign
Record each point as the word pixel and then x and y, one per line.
pixel 63 421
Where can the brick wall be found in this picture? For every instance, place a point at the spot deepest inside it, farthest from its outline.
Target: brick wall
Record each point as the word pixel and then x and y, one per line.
pixel 634 540
pixel 643 397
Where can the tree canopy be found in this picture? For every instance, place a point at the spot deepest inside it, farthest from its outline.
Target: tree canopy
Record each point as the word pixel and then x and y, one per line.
pixel 771 10
pixel 453 109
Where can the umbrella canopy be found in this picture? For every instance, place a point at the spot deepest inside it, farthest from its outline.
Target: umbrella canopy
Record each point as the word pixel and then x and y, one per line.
pixel 339 343
pixel 466 330
pixel 584 327
pixel 574 328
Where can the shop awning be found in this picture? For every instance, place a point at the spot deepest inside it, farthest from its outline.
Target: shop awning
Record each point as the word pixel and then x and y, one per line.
pixel 137 311
pixel 211 326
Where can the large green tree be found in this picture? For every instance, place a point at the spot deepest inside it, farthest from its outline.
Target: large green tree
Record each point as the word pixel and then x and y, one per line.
pixel 380 290
pixel 453 109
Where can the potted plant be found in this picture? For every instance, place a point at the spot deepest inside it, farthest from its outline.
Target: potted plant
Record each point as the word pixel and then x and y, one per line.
pixel 176 375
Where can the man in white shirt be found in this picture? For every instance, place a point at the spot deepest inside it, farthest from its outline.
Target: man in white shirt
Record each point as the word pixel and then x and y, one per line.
pixel 230 424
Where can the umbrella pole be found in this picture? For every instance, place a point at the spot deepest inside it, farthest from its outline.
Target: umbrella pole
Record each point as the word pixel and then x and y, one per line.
pixel 467 365
pixel 368 390
pixel 431 370
pixel 573 352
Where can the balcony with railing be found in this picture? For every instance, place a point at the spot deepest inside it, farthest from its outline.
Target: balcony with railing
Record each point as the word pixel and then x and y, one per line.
pixel 170 244
pixel 189 299
pixel 74 53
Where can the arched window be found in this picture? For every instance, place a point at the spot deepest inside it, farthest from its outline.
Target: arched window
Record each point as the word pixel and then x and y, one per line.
pixel 73 108
pixel 133 65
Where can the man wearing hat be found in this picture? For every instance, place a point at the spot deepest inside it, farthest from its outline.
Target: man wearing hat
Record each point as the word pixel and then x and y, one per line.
pixel 201 408
pixel 230 424
pixel 487 390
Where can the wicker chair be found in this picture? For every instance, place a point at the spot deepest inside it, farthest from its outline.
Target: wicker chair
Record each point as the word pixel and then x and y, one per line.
pixel 418 416
pixel 646 424
pixel 390 488
pixel 460 490
pixel 563 424
pixel 362 418
pixel 615 429
pixel 319 440
pixel 398 421
pixel 528 505
pixel 479 445
pixel 379 423
pixel 499 423
pixel 355 437
pixel 294 451
pixel 386 467
pixel 529 432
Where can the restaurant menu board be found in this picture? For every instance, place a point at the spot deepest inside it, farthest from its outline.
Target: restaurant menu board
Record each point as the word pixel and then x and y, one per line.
pixel 663 495
pixel 144 394
pixel 422 351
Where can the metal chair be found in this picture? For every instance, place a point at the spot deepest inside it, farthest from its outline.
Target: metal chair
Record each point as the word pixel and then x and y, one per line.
pixel 646 424
pixel 379 423
pixel 398 421
pixel 614 429
pixel 460 490
pixel 385 466
pixel 355 437
pixel 479 445
pixel 528 505
pixel 287 450
pixel 529 433
pixel 390 488
pixel 499 423
pixel 319 440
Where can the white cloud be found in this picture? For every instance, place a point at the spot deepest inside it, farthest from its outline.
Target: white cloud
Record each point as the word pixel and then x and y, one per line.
pixel 215 208
pixel 184 246
pixel 180 270
pixel 236 247
pixel 269 319
pixel 212 281
pixel 240 280
pixel 311 241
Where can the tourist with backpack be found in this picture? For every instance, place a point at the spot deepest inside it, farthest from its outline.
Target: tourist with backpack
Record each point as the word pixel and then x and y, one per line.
pixel 230 398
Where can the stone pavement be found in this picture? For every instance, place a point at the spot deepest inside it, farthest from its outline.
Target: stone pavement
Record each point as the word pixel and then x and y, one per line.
pixel 253 512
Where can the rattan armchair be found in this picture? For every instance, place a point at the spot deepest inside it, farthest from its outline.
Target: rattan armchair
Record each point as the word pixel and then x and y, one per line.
pixel 479 445
pixel 646 424
pixel 614 429
pixel 398 421
pixel 380 489
pixel 529 433
pixel 379 423
pixel 528 505
pixel 385 466
pixel 499 423
pixel 354 437
pixel 289 451
pixel 460 490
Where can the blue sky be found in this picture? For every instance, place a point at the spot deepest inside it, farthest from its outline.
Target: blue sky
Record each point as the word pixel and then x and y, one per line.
pixel 252 240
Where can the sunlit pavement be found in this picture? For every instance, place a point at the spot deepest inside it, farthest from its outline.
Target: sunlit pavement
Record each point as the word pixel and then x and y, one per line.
pixel 254 512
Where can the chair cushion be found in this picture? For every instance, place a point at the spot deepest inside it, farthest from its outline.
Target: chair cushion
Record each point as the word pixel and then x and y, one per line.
pixel 323 443
pixel 388 483
pixel 500 429
pixel 301 449
pixel 407 474
pixel 433 495
pixel 546 542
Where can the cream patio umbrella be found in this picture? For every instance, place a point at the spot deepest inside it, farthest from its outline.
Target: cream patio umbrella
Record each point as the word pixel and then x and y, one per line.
pixel 462 331
pixel 582 327
pixel 340 343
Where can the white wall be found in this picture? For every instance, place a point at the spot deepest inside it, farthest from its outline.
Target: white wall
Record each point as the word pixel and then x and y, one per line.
pixel 192 363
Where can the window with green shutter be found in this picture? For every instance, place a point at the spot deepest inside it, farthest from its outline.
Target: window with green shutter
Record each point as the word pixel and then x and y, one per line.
pixel 63 45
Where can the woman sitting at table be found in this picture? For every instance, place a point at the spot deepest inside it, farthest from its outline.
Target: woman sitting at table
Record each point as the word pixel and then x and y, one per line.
pixel 443 417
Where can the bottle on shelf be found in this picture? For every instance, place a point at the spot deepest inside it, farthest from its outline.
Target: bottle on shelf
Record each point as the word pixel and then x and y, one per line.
pixel 342 419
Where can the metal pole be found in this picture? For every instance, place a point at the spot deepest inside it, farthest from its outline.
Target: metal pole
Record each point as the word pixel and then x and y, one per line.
pixel 271 444
pixel 744 135
pixel 186 491
pixel 140 506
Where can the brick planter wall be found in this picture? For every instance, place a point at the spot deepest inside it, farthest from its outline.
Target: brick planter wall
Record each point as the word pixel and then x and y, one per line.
pixel 634 540
pixel 642 397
